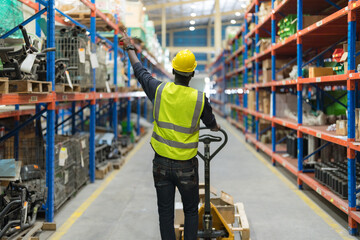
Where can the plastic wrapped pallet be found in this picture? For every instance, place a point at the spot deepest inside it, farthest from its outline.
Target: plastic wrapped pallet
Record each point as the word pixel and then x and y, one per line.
pixel 10 16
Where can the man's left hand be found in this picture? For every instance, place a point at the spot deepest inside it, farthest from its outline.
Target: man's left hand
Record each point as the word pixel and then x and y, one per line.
pixel 126 39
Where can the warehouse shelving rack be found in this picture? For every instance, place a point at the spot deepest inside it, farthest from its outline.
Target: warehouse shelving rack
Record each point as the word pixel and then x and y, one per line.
pixel 335 27
pixel 54 103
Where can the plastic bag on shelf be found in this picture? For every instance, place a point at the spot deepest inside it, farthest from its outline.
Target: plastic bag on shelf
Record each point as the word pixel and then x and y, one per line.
pixel 11 15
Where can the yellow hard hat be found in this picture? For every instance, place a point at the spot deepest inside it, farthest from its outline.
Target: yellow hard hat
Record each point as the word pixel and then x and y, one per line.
pixel 184 61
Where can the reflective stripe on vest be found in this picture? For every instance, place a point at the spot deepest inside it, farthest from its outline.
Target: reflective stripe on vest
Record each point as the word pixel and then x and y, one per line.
pixel 174 143
pixel 194 126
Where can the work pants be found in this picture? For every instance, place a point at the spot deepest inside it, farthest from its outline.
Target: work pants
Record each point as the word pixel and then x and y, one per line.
pixel 169 174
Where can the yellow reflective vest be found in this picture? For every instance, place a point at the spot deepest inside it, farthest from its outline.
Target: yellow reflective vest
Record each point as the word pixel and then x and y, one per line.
pixel 177 111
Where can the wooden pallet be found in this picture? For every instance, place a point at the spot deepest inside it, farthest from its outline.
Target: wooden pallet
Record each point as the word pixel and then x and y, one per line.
pixel 117 164
pixel 65 88
pixel 126 150
pixel 84 18
pixel 33 232
pixel 240 216
pixel 4 85
pixel 29 86
pixel 102 171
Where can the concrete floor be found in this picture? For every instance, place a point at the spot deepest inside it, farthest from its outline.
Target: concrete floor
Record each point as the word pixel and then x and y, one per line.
pixel 127 209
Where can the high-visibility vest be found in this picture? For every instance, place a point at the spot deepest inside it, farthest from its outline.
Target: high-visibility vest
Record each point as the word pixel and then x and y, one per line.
pixel 177 111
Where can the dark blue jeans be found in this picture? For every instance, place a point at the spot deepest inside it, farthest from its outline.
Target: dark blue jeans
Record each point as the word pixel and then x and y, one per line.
pixel 169 174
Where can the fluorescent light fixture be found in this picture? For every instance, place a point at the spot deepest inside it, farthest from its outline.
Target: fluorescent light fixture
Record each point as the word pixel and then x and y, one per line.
pixel 144 8
pixel 192 28
pixel 193 6
pixel 233 21
pixel 193 14
pixel 237 14
pixel 243 5
pixel 192 22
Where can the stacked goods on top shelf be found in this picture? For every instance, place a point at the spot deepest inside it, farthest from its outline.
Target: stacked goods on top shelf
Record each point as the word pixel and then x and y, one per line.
pixel 288 25
pixel 264 11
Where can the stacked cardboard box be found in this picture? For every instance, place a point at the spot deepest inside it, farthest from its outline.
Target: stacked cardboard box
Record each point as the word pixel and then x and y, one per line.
pixel 320 71
pixel 341 127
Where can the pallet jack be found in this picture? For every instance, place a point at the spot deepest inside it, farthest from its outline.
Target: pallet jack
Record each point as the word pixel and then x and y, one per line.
pixel 211 224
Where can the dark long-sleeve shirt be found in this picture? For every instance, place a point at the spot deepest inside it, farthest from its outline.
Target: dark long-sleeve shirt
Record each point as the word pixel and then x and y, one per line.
pixel 150 84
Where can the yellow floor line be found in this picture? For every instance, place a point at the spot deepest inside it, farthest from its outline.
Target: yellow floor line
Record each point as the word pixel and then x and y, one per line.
pixel 327 218
pixel 85 205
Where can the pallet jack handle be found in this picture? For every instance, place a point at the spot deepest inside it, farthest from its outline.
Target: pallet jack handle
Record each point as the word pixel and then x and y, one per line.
pixel 207 232
pixel 207 139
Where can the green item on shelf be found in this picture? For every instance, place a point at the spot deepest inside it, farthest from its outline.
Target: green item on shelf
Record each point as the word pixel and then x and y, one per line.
pixel 124 129
pixel 335 108
pixel 339 68
pixel 11 15
pixel 330 64
pixel 305 72
pixel 138 33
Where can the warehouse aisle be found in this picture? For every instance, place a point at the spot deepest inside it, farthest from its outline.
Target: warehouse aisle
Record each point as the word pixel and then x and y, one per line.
pixel 126 208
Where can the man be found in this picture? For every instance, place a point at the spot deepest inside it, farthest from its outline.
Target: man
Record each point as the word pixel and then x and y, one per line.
pixel 177 113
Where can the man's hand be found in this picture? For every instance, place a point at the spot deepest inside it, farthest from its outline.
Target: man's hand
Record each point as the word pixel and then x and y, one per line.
pixel 217 128
pixel 125 39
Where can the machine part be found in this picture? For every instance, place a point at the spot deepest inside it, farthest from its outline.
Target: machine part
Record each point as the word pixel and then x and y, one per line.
pixel 20 202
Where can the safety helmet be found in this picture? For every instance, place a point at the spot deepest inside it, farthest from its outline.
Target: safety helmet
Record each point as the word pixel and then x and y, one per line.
pixel 184 61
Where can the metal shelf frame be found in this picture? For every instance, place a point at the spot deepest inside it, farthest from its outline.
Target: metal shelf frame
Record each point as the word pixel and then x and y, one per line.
pixel 342 21
pixel 52 103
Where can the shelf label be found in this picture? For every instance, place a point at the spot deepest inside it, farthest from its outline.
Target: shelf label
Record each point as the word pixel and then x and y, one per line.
pixel 318 135
pixel 331 200
pixel 319 23
pixel 33 99
pixel 86 96
pixel 284 164
pixel 318 190
pixel 283 82
pixel 318 79
pixel 63 155
pixel 350 75
pixel 101 96
pixel 64 97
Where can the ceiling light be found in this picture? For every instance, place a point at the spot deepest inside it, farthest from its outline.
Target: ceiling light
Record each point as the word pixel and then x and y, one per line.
pixel 243 5
pixel 193 14
pixel 144 8
pixel 237 14
pixel 192 28
pixel 192 22
pixel 233 21
pixel 193 6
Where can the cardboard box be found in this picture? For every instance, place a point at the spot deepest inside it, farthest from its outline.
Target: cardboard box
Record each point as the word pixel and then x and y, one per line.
pixel 134 14
pixel 251 100
pixel 266 76
pixel 320 71
pixel 265 44
pixel 266 105
pixel 177 231
pixel 202 191
pixel 341 127
pixel 227 211
pixel 227 198
pixel 279 63
pixel 310 20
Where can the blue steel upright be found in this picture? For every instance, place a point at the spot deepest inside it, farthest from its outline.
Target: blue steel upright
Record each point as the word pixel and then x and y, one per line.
pixel 245 72
pixel 351 120
pixel 257 50
pixel 273 78
pixel 50 116
pixel 115 107
pixel 300 142
pixel 93 102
